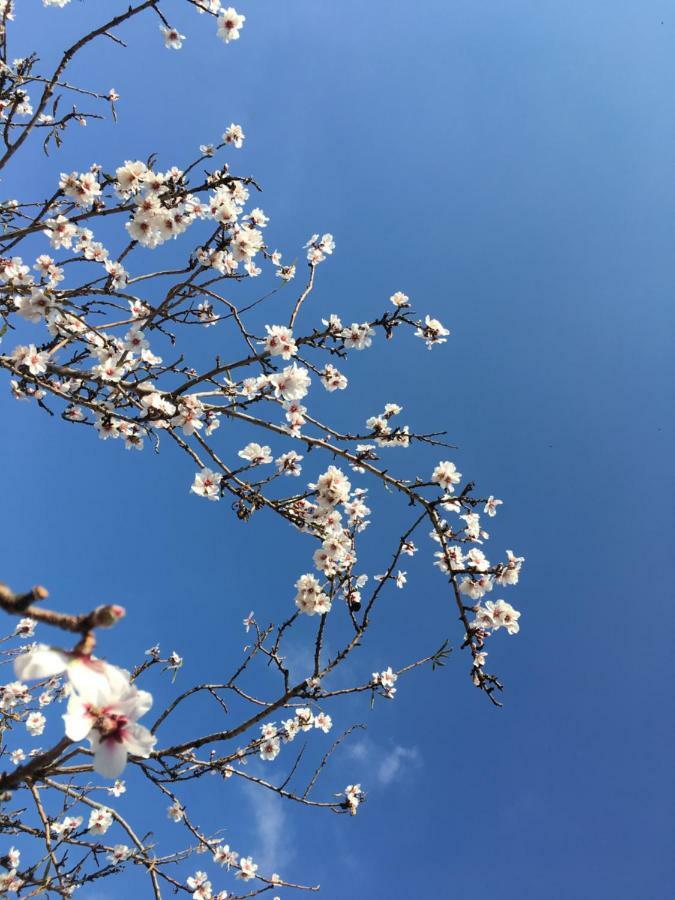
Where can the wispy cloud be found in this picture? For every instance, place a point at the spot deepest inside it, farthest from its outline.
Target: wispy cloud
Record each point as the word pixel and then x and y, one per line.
pixel 274 850
pixel 359 750
pixel 383 765
pixel 395 764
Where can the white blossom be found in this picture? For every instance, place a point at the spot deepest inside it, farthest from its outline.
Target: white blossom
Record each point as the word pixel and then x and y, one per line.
pixel 332 379
pixel 399 299
pixel 358 337
pixel 207 484
pixel 256 454
pixel 432 332
pixel 100 820
pixel 119 853
pixel 247 868
pixel 224 856
pixel 491 505
pixel 446 475
pixel 173 39
pixel 310 599
pixel 270 748
pixel 108 718
pixel 87 674
pixel 279 341
pixel 332 487
pixel 323 721
pixel 68 826
pixel 35 724
pixel 230 23
pixel 175 812
pixel 292 383
pixel 289 463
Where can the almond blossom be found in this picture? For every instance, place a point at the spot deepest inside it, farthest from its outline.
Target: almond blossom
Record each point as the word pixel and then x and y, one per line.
pixel 279 341
pixel 108 719
pixel 173 39
pixel 86 674
pixel 432 332
pixel 256 454
pixel 247 868
pixel 446 475
pixel 207 484
pixel 230 23
pixel 100 820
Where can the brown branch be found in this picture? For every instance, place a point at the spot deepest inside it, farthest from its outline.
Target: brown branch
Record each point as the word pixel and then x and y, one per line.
pixel 22 605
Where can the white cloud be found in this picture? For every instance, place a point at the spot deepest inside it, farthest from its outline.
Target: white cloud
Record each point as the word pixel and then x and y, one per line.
pixel 274 850
pixel 393 765
pixel 380 765
pixel 360 750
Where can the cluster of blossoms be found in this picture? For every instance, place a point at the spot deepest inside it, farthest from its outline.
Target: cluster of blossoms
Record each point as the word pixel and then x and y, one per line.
pixel 165 208
pixel 100 820
pixel 279 341
pixel 162 207
pixel 336 554
pixel 310 599
pixel 385 681
pixel 383 433
pixel 200 885
pixel 318 248
pixel 229 22
pixel 31 359
pixel 224 856
pixel 479 575
pixel 358 336
pixel 202 889
pixel 100 362
pixel 68 825
pixel 303 720
pixel 332 379
pixel 106 710
pixel 495 615
pixel 332 490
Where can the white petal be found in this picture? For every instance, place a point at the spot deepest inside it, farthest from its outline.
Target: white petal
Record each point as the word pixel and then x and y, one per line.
pixel 95 681
pixel 110 757
pixel 133 704
pixel 139 741
pixel 77 720
pixel 41 662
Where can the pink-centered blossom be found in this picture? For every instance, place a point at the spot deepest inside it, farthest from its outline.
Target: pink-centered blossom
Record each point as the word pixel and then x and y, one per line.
pixel 109 720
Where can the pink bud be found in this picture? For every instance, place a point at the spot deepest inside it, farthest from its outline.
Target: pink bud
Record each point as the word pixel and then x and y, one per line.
pixel 105 616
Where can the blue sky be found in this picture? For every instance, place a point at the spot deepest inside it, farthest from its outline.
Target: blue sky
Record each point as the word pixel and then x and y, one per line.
pixel 509 165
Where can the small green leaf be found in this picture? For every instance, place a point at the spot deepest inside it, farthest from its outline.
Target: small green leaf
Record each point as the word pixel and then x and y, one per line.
pixel 439 657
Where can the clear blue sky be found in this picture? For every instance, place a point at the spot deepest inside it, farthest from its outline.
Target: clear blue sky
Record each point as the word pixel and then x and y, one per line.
pixel 510 166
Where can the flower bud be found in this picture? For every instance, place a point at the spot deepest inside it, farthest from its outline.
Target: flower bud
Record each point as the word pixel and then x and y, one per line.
pixel 105 616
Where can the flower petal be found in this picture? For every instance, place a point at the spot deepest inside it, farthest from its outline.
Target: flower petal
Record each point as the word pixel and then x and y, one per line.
pixel 133 703
pixel 40 662
pixel 95 681
pixel 110 756
pixel 77 720
pixel 139 741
